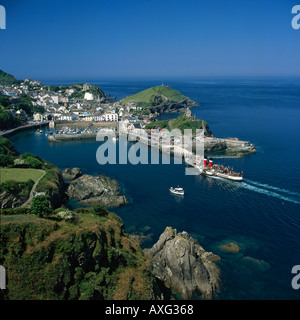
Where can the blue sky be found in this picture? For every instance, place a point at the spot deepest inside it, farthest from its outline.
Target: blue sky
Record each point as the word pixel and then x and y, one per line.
pixel 60 40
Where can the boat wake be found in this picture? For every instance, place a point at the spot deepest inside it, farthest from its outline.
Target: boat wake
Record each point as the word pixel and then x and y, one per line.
pixel 263 185
pixel 268 190
pixel 272 191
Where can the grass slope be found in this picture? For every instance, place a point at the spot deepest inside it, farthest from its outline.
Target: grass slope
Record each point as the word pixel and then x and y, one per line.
pixel 154 95
pixel 19 174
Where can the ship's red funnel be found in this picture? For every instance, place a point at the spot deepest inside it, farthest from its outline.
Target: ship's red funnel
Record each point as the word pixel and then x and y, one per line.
pixel 210 163
pixel 205 162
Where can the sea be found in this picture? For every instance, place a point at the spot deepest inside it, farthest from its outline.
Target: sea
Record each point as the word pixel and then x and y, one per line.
pixel 261 214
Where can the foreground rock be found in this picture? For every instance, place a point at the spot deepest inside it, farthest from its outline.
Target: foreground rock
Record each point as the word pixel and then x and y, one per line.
pixel 71 173
pixel 90 190
pixel 183 265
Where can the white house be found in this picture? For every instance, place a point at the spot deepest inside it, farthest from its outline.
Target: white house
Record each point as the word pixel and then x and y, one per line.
pixel 68 117
pixel 37 117
pixel 110 116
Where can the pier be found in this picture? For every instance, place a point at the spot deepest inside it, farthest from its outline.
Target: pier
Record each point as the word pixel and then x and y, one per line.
pixel 9 132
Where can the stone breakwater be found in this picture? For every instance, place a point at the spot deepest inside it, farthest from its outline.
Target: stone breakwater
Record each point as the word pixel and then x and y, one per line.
pixel 212 145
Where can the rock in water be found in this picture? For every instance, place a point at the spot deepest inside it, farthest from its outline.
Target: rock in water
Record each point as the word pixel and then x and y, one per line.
pixel 71 173
pixel 230 247
pixel 183 265
pixel 90 190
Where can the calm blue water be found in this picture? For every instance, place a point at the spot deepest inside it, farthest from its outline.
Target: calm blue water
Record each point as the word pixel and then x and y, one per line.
pixel 260 214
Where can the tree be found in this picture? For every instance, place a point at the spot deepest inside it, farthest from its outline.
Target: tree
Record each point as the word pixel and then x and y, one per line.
pixel 6 160
pixel 34 163
pixel 40 205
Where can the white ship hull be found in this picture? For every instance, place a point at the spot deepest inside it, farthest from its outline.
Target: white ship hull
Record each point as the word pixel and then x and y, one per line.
pixel 178 192
pixel 222 175
pixel 229 177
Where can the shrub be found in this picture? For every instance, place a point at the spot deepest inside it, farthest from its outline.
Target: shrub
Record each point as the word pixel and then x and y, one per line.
pixel 67 215
pixel 30 155
pixel 6 160
pixel 40 205
pixel 34 163
pixel 99 210
pixel 11 187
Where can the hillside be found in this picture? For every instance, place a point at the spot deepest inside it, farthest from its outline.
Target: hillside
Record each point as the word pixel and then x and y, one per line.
pixel 7 79
pixel 160 99
pixel 88 256
pixel 18 172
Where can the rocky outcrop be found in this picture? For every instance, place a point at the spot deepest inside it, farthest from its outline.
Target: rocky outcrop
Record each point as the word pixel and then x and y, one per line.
pixel 168 106
pixel 71 173
pixel 8 200
pixel 90 190
pixel 183 265
pixel 230 247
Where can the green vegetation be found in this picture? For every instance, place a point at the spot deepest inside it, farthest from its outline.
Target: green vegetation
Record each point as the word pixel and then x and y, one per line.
pixel 25 103
pixel 79 93
pixel 163 124
pixel 54 88
pixel 22 168
pixel 99 211
pixel 40 205
pixel 7 147
pixel 51 259
pixel 19 174
pixel 155 96
pixel 18 189
pixel 8 153
pixel 7 120
pixel 182 122
pixel 7 79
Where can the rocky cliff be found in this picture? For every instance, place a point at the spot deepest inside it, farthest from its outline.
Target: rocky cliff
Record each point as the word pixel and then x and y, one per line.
pixel 183 265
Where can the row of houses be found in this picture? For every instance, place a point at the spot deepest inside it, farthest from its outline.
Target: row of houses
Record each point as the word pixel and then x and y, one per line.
pixel 76 116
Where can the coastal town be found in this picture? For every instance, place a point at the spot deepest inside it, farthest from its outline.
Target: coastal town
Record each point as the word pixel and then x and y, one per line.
pixel 80 102
pixel 80 111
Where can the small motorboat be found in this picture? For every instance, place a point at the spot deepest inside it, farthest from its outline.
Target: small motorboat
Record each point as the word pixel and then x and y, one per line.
pixel 177 190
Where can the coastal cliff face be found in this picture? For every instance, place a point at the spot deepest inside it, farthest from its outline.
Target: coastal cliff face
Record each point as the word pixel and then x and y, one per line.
pixel 167 106
pixel 87 258
pixel 54 187
pixel 8 200
pixel 183 265
pixel 90 190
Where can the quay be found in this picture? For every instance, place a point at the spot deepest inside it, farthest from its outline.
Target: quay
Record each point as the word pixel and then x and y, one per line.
pixel 9 132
